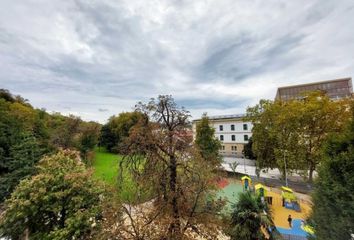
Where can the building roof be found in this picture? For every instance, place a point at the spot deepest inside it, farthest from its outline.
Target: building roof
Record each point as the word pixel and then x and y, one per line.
pixel 221 117
pixel 316 83
pixel 336 88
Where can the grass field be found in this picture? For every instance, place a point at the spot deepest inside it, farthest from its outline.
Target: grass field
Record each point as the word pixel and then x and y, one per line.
pixel 106 166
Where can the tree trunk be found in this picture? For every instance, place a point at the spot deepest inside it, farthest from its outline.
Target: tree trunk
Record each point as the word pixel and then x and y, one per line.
pixel 174 229
pixel 311 170
pixel 164 187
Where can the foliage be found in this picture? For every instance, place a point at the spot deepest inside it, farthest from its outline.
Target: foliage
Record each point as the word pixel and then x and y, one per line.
pixel 173 171
pixel 60 202
pixel 117 129
pixel 64 130
pixel 293 132
pixel 248 218
pixel 333 198
pixel 23 155
pixel 264 141
pixel 206 141
pixel 27 133
pixel 87 139
pixel 233 166
pixel 248 151
pixel 106 166
pixel 21 142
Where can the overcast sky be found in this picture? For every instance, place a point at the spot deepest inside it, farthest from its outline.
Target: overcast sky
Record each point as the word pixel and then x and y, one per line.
pixel 98 58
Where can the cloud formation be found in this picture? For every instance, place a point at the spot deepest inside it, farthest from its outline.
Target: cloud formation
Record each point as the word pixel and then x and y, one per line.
pixel 97 58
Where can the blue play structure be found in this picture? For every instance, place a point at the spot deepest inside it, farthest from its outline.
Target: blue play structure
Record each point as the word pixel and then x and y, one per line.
pixel 296 230
pixel 292 205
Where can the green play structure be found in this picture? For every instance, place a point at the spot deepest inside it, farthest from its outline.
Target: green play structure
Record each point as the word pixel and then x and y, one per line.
pixel 289 199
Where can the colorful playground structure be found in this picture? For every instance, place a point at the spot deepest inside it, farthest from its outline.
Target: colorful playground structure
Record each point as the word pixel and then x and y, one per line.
pixel 283 202
pixel 289 199
pixel 246 182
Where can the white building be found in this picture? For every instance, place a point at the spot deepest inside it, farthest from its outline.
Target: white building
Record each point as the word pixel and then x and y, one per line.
pixel 232 131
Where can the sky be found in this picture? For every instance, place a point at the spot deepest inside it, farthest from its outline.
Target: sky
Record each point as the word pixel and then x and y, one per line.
pixel 98 58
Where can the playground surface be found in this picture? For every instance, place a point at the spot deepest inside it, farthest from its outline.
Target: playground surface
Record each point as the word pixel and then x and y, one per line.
pixel 230 188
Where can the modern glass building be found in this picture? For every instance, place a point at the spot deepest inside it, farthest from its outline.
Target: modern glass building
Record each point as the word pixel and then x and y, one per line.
pixel 335 89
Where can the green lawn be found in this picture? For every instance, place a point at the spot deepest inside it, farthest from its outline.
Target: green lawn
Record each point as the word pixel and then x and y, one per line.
pixel 106 166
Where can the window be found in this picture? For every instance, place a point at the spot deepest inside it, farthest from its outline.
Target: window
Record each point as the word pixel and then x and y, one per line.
pixel 232 127
pixel 234 148
pixel 222 147
pixel 245 127
pixel 245 137
pixel 221 127
pixel 221 137
pixel 233 138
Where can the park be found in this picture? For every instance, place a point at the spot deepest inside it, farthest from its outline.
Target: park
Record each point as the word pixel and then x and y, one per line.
pixel 105 165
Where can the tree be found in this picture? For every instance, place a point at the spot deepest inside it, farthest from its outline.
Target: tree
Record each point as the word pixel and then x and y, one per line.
pixel 65 130
pixel 206 141
pixel 248 217
pixel 60 202
pixel 264 141
pixel 233 166
pixel 319 117
pixel 26 134
pixel 107 138
pixel 173 171
pixel 20 163
pixel 87 139
pixel 117 129
pixel 20 149
pixel 289 135
pixel 333 197
pixel 247 150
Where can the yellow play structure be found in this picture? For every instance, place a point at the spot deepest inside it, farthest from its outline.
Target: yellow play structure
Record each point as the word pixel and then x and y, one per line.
pixel 281 213
pixel 289 199
pixel 246 182
pixel 260 190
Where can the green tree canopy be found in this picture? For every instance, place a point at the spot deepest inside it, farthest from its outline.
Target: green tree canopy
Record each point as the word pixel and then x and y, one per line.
pixel 248 217
pixel 27 133
pixel 333 198
pixel 117 130
pixel 291 134
pixel 60 202
pixel 248 151
pixel 206 141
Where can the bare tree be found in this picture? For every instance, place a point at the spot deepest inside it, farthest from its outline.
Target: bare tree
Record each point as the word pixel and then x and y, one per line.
pixel 175 176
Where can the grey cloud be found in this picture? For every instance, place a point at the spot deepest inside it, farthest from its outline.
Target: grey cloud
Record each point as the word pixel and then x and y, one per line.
pixel 213 103
pixel 89 56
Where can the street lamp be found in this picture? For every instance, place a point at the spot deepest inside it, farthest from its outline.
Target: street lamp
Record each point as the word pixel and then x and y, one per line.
pixel 286 175
pixel 244 163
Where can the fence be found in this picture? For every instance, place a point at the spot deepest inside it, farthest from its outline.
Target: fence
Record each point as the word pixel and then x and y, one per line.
pixel 293 237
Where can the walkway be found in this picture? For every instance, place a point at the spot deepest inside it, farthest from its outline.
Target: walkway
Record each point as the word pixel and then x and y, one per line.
pixel 271 178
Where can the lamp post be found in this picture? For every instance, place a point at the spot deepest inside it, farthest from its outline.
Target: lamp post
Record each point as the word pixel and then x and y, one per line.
pixel 284 150
pixel 286 175
pixel 244 164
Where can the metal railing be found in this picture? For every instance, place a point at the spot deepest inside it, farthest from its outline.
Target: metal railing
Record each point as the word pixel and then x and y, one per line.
pixel 293 237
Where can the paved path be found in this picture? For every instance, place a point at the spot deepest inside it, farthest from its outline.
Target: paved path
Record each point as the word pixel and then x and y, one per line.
pixel 271 178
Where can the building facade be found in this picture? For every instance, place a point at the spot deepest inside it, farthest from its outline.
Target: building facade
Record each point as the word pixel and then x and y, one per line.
pixel 335 89
pixel 232 131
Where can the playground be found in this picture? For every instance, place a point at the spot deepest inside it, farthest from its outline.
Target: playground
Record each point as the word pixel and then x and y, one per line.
pixel 283 202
